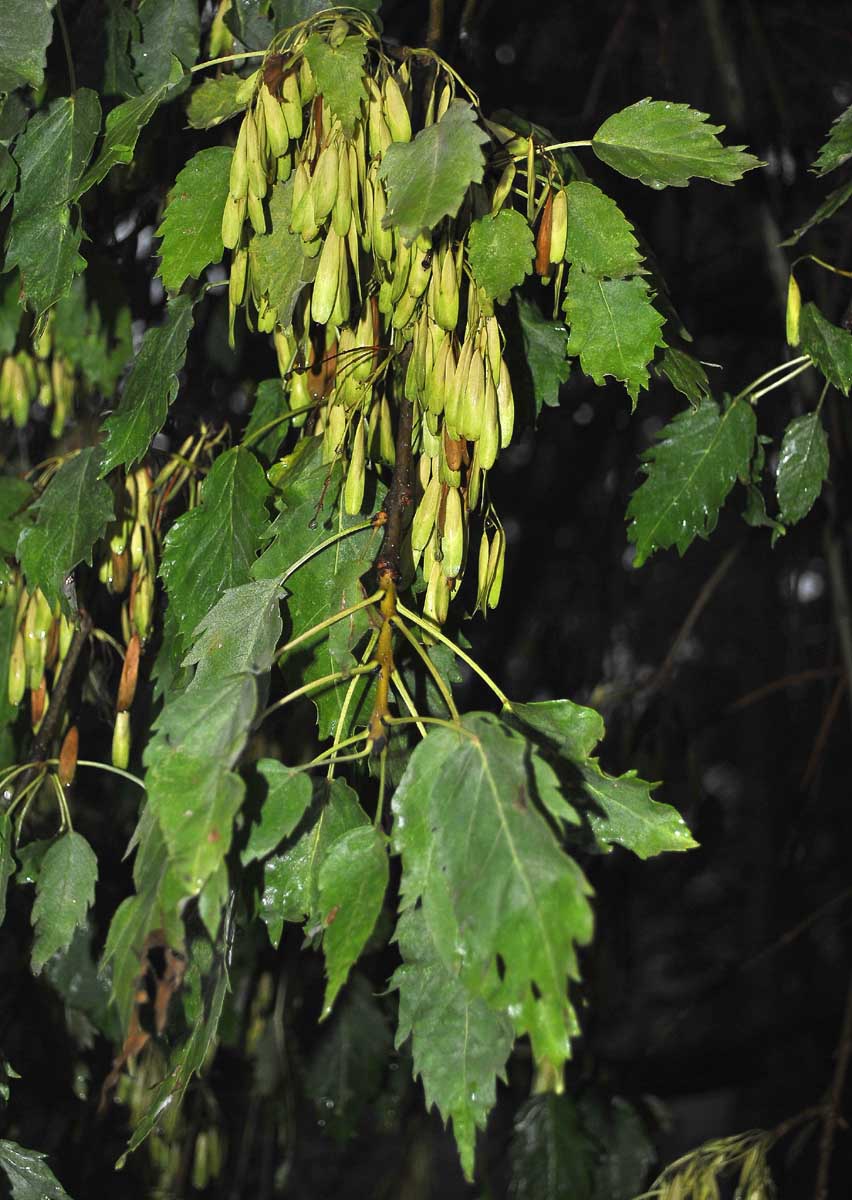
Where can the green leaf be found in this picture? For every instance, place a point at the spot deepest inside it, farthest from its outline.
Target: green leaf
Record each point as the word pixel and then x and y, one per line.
pixel 8 712
pixel 600 238
pixel 195 801
pixel 500 250
pixel 838 149
pixel 270 402
pixel 7 861
pixel 247 20
pixel 802 467
pixel 278 263
pixel 573 729
pixel 460 1045
pixel 98 345
pixel 690 472
pixel 545 343
pixel 192 226
pixel 44 235
pixel 209 719
pixel 120 27
pixel 665 145
pixel 72 512
pixel 212 547
pixel 73 975
pixel 26 29
pixel 428 178
pixel 628 816
pixel 239 633
pixel 288 795
pixel 493 880
pixel 30 1178
pixel 291 879
pixel 553 1158
pixel 615 328
pixel 833 202
pixel 10 312
pixel 166 28
pixel 685 374
pixel 352 884
pixel 123 126
pixel 339 75
pixel 627 1151
pixel 65 889
pixel 15 515
pixel 829 348
pixel 151 387
pixel 215 101
pixel 345 1072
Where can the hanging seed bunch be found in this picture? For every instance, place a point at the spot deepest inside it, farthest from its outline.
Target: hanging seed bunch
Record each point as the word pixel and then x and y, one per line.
pixel 374 319
pixel 43 377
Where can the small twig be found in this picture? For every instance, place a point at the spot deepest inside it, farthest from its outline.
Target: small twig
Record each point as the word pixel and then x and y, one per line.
pixel 828 719
pixel 780 685
pixel 66 42
pixel 832 1116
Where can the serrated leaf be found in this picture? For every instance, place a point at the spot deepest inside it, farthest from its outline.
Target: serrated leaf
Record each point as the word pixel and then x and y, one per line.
pixel 123 125
pixel 195 800
pixel 209 719
pixel 690 472
pixel 30 1178
pixel 26 28
pixel 665 145
pixel 44 235
pixel 345 1072
pixel 192 226
pixel 278 262
pixel 572 728
pixel 685 374
pixel 614 328
pixel 65 889
pixel 802 467
pixel 352 882
pixel 460 1045
pixel 838 149
pixel 291 878
pixel 500 250
pixel 600 238
pixel 288 795
pixel 829 348
pixel 247 19
pixel 833 202
pixel 215 101
pixel 239 633
pixel 8 177
pixel 151 387
pixel 339 71
pixel 72 512
pixel 427 179
pixel 492 878
pixel 545 343
pixel 167 28
pixel 626 815
pixel 212 547
pixel 552 1156
pixel 7 861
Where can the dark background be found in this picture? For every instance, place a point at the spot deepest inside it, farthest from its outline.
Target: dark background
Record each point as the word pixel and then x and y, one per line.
pixel 718 979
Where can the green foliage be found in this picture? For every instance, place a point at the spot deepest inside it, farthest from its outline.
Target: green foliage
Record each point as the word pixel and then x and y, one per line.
pixel 802 467
pixel 686 374
pixel 600 238
pixel 427 178
pixel 352 883
pixel 192 226
pixel 65 889
pixel 832 204
pixel 123 125
pixel 838 149
pixel 215 100
pixel 338 73
pixel 544 352
pixel 71 514
pixel 167 29
pixel 666 145
pixel 829 348
pixel 278 261
pixel 26 27
pixel 30 1178
pixel 150 388
pixel 690 471
pixel 501 253
pixel 287 798
pixel 15 514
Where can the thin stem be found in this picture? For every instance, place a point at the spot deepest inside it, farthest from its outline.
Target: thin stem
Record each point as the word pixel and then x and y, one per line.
pixel 26 796
pixel 214 62
pixel 66 42
pixel 326 754
pixel 460 729
pixel 779 382
pixel 434 632
pixel 380 802
pixel 785 366
pixel 347 699
pixel 822 395
pixel 264 429
pixel 832 1116
pixel 400 687
pixel 446 694
pixel 558 146
pixel 64 810
pixel 315 685
pixel 108 767
pixel 318 549
pixel 11 773
pixel 329 621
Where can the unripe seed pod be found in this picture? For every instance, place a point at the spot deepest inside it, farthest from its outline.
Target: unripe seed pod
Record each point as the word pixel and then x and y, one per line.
pixel 447 301
pixel 395 111
pixel 496 564
pixel 257 216
pixel 474 479
pixel 482 581
pixel 505 406
pixel 66 633
pixel 142 603
pixel 435 580
pixel 120 571
pixel 420 271
pixel 489 437
pixel 121 741
pixel 382 238
pixel 17 671
pixel 425 514
pixel 307 83
pixel 401 268
pixel 387 442
pixel 543 236
pixel 68 757
pixel 341 213
pixel 254 160
pixel 443 101
pixel 237 279
pixel 404 311
pixel 794 308
pixel 335 430
pixel 39 702
pixel 20 398
pixel 452 537
pixel 559 227
pixel 238 181
pixel 503 188
pixel 129 675
pixel 292 105
pixel 494 348
pixel 456 387
pixel 353 491
pixel 277 128
pixel 453 449
pixel 342 301
pixel 327 279
pixel 472 399
pixel 244 93
pixel 324 181
pixel 338 32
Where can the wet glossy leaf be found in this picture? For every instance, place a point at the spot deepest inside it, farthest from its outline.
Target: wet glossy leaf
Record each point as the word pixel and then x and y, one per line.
pixel 191 229
pixel 277 258
pixel 288 795
pixel 26 28
pixel 30 1178
pixel 338 71
pixel 838 149
pixel 684 373
pixel 829 347
pixel 545 352
pixel 500 251
pixel 624 814
pixel 802 467
pixel 352 884
pixel 215 101
pixel 167 29
pixel 600 238
pixel 65 889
